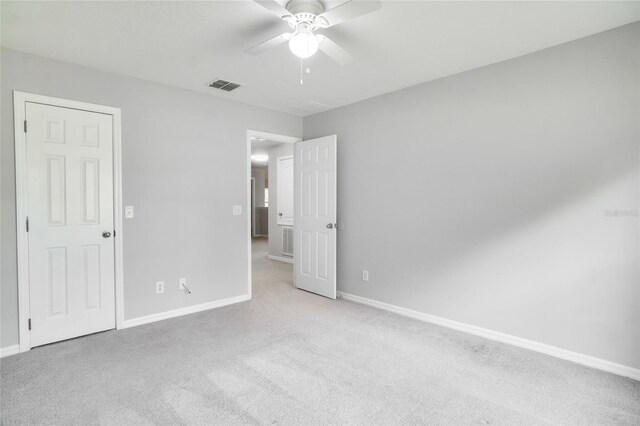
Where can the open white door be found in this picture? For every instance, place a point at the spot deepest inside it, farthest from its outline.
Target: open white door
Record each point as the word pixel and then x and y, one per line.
pixel 315 211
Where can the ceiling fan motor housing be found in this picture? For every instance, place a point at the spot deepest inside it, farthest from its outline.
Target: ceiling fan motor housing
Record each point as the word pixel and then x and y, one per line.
pixel 305 10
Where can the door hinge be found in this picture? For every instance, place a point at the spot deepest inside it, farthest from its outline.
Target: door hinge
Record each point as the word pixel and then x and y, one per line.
pixel 27 223
pixel 29 323
pixel 25 126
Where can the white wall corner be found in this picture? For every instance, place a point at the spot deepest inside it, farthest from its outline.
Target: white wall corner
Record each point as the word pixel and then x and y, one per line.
pixel 587 360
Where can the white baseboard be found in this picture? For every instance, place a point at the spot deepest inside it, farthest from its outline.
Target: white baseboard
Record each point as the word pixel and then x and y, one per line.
pixel 280 259
pixel 601 364
pixel 184 311
pixel 9 350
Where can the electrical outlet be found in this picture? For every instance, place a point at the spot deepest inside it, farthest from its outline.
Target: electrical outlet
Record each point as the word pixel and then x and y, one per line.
pixel 237 210
pixel 159 287
pixel 365 275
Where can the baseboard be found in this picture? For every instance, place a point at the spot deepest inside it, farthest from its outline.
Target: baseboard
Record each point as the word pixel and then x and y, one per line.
pixel 280 259
pixel 9 350
pixel 600 364
pixel 184 311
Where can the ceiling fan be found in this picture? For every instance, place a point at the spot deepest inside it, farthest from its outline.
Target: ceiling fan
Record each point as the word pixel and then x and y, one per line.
pixel 305 17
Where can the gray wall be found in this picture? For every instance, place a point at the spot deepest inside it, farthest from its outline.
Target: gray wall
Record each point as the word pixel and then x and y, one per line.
pixel 275 230
pixel 184 157
pixel 483 197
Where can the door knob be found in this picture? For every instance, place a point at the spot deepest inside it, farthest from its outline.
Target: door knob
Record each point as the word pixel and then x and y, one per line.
pixel 106 234
pixel 330 225
pixel 279 214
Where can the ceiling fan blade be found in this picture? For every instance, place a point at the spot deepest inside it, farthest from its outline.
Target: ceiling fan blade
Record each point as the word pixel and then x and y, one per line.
pixel 266 45
pixel 332 50
pixel 349 10
pixel 274 7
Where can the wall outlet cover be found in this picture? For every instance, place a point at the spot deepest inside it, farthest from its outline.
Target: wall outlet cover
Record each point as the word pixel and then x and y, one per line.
pixel 365 275
pixel 159 287
pixel 237 210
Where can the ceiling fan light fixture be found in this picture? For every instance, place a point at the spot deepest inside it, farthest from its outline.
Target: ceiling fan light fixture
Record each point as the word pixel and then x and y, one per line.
pixel 304 43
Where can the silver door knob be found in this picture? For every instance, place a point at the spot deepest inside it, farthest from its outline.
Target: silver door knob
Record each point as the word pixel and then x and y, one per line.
pixel 330 225
pixel 279 214
pixel 106 234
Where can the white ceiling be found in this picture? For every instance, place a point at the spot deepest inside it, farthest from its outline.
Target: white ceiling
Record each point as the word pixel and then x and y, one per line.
pixel 188 44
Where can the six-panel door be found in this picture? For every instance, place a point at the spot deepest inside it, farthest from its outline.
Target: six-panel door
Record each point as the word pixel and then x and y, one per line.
pixel 315 213
pixel 70 206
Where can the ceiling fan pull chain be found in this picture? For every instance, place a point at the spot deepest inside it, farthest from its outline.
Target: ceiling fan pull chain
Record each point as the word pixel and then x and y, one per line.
pixel 306 70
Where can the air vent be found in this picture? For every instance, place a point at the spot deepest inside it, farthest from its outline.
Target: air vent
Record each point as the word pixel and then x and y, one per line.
pixel 225 85
pixel 287 241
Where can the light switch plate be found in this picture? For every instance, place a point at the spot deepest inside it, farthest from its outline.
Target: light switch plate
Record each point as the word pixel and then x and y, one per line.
pixel 237 210
pixel 128 212
pixel 365 275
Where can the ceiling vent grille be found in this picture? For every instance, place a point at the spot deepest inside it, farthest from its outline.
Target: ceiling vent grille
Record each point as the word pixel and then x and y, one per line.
pixel 225 85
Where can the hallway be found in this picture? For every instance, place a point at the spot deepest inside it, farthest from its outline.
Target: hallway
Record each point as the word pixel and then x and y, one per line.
pixel 268 275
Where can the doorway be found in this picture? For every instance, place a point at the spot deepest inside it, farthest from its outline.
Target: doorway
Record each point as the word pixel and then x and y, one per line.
pixel 270 158
pixel 69 227
pixel 299 195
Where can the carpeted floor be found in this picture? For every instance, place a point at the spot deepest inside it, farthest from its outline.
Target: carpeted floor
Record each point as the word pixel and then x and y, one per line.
pixel 289 357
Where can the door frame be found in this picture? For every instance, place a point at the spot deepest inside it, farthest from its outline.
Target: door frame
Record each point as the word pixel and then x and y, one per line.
pixel 272 137
pixel 19 109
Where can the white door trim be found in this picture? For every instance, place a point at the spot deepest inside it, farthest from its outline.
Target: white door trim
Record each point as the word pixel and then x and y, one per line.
pixel 19 109
pixel 258 135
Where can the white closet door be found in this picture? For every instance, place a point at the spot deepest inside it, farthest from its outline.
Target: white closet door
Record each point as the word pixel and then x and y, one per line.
pixel 70 210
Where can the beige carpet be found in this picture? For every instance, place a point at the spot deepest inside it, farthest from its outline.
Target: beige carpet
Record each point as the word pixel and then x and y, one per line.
pixel 289 357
